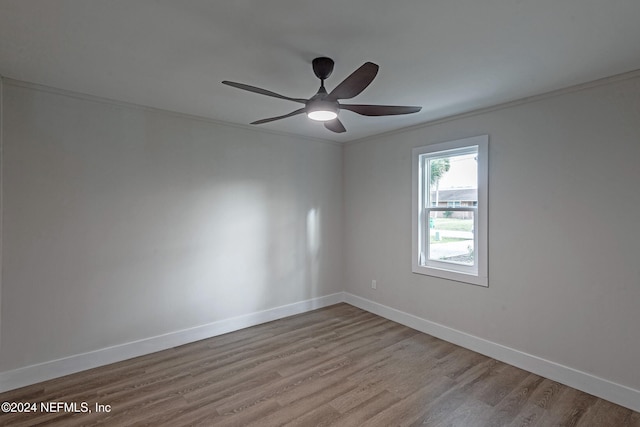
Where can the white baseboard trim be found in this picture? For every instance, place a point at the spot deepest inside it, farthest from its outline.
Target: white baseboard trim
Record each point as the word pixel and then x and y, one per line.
pixel 613 392
pixel 33 374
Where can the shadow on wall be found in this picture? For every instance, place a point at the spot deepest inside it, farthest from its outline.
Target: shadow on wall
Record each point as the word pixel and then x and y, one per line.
pixel 252 250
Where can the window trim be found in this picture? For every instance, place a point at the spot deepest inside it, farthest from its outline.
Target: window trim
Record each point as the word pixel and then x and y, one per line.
pixel 478 275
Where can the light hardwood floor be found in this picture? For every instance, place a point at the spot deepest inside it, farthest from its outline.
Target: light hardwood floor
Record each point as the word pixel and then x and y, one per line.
pixel 338 366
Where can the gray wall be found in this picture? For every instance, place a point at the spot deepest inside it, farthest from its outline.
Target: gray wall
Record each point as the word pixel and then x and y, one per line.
pixel 564 236
pixel 122 223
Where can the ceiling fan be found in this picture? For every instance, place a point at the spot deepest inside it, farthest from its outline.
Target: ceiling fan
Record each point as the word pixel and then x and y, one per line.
pixel 324 106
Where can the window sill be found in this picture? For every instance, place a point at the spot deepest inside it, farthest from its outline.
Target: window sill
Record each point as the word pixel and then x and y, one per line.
pixel 457 276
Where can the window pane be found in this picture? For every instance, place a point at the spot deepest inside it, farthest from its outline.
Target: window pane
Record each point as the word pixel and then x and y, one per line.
pixel 453 181
pixel 451 237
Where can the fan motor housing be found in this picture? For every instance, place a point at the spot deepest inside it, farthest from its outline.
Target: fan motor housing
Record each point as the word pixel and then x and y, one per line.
pixel 320 104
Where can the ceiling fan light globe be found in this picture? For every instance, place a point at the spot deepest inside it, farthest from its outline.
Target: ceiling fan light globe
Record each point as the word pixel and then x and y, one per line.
pixel 321 110
pixel 322 115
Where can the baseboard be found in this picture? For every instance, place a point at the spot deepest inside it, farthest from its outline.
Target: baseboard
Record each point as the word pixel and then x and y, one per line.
pixel 33 374
pixel 613 392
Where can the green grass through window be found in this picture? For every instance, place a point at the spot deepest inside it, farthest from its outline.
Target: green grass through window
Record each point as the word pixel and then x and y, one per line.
pixel 453 224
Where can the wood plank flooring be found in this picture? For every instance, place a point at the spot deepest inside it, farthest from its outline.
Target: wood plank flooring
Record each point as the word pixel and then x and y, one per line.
pixel 337 366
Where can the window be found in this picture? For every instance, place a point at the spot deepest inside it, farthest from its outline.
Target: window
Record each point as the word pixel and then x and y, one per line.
pixel 450 182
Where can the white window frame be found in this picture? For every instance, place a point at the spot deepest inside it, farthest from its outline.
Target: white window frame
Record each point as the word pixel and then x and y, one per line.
pixel 478 273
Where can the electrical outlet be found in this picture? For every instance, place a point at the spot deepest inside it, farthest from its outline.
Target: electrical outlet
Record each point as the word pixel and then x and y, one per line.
pixel 374 284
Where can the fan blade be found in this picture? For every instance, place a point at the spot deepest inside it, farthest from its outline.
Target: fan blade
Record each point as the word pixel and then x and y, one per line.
pixel 335 125
pixel 262 91
pixel 271 119
pixel 379 110
pixel 356 82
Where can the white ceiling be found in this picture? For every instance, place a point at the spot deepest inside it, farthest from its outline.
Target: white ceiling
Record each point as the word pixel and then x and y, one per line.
pixel 449 56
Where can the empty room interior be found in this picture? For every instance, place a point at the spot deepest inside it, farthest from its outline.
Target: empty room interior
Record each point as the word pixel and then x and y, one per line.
pixel 320 213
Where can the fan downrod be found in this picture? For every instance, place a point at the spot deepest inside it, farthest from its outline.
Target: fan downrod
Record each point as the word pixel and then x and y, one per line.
pixel 322 67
